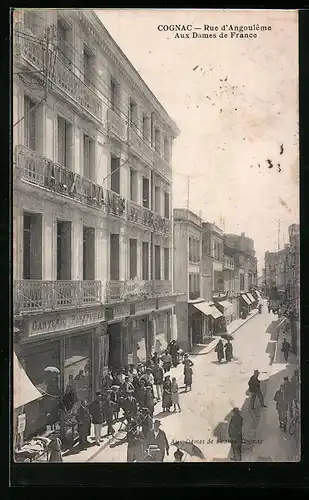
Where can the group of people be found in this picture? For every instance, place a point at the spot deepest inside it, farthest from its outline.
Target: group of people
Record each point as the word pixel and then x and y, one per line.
pixel 133 390
pixel 224 351
pixel 287 399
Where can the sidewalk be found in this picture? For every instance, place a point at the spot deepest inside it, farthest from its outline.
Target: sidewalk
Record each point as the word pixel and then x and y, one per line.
pixel 271 443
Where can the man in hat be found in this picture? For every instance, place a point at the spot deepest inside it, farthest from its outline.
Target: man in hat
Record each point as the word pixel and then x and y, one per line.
pixel 281 407
pixel 84 424
pixel 157 437
pixel 288 394
pixel 255 389
pixel 96 411
pixel 235 434
pixel 285 348
pixel 178 455
pixel 147 424
pixel 108 410
pixel 148 377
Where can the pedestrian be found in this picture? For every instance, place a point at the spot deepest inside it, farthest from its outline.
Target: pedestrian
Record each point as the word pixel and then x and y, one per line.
pixel 148 377
pixel 174 353
pixel 158 376
pixel 109 409
pixel 115 399
pixel 228 351
pixel 295 387
pixel 140 393
pixel 167 361
pixel 108 380
pixel 255 389
pixel 156 358
pixel 157 437
pixel 281 407
pixel 135 438
pixel 219 349
pixel 167 393
pixel 147 424
pixel 121 376
pixel 188 372
pixel 285 348
pixel 260 308
pixel 235 434
pixel 83 418
pixel 54 450
pixel 149 400
pixel 175 394
pixel 178 455
pixel 96 412
pixel 288 394
pixel 130 407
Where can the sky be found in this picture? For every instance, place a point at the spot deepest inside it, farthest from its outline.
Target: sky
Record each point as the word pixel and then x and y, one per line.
pixel 235 102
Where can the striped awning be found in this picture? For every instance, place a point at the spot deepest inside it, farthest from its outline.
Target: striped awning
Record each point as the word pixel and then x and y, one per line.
pixel 209 309
pixel 246 299
pixel 24 391
pixel 251 297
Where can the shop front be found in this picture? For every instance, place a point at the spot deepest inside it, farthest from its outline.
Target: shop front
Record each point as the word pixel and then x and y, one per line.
pixel 227 309
pixel 205 321
pixel 253 300
pixel 244 305
pixel 57 354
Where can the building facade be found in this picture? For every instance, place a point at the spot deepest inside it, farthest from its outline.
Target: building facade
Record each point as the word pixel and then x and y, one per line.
pixel 92 220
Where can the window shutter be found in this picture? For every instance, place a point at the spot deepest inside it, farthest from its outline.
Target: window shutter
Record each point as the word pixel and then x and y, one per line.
pixel 26 121
pixel 29 124
pixel 86 157
pixel 61 141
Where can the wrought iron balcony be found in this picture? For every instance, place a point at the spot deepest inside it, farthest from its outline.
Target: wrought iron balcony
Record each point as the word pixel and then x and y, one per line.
pixel 145 217
pixel 162 165
pixel 136 289
pixel 116 125
pixel 139 146
pixel 35 296
pixel 31 50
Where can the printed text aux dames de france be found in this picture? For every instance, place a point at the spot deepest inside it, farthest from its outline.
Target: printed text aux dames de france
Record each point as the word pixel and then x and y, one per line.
pixel 214 31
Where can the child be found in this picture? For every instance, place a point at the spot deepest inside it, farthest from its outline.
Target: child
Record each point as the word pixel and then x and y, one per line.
pixel 175 394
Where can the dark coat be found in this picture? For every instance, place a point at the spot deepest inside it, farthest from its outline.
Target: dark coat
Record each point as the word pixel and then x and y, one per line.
pixel 281 403
pixel 167 394
pixel 228 352
pixel 147 426
pixel 285 346
pixel 158 375
pixel 219 349
pixel 83 418
pixel 235 427
pixel 254 385
pixel 161 441
pixel 96 411
pixel 130 405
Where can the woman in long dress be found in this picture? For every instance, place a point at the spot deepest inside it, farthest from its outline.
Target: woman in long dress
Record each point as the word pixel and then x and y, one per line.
pixel 55 450
pixel 167 394
pixel 188 372
pixel 228 351
pixel 175 394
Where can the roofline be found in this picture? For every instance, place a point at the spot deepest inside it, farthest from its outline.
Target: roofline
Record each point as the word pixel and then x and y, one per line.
pixel 140 80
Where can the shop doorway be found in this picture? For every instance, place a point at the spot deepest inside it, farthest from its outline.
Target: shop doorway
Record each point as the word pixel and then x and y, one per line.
pixel 114 352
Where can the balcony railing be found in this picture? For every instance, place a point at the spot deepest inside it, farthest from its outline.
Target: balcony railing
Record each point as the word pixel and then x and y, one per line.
pixel 139 146
pixel 116 125
pixel 32 50
pixel 162 166
pixel 32 167
pixel 34 296
pixel 137 289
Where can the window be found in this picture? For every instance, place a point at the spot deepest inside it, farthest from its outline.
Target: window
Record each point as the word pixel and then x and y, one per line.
pixel 145 126
pixel 63 43
pixel 64 229
pixel 157 200
pixel 157 262
pixel 132 113
pixel 115 94
pixel 114 257
pixel 88 253
pixel 166 205
pixel 166 150
pixel 198 245
pixel 190 249
pixel 190 284
pixel 89 63
pixel 166 264
pixel 146 192
pixel 133 185
pixel 145 261
pixel 133 258
pixel 29 123
pixel 64 142
pixel 32 246
pixel 152 129
pixel 88 158
pixel 157 140
pixel 115 177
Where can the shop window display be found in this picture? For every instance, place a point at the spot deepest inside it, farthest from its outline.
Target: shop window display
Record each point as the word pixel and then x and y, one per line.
pixel 161 340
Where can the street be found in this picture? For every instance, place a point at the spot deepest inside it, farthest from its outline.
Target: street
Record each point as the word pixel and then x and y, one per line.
pixel 216 390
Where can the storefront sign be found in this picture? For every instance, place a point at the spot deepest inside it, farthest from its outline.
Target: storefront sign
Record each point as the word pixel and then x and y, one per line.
pixel 145 307
pixel 50 324
pixel 121 311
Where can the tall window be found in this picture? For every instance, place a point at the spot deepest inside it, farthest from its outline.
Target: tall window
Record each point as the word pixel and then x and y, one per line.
pixel 145 261
pixel 146 192
pixel 115 177
pixel 88 253
pixel 157 140
pixel 29 123
pixel 166 264
pixel 152 129
pixel 190 249
pixel 166 205
pixel 133 185
pixel 32 246
pixel 114 257
pixel 133 258
pixel 132 113
pixel 88 58
pixel 166 150
pixel 64 142
pixel 157 200
pixel 64 230
pixel 190 285
pixel 63 43
pixel 88 158
pixel 115 91
pixel 157 262
pixel 145 126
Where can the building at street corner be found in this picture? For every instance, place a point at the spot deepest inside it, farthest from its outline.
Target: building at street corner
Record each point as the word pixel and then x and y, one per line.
pixel 92 222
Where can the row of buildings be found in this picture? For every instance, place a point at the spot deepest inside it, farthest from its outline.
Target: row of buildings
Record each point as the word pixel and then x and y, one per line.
pixel 218 271
pixel 104 273
pixel 281 276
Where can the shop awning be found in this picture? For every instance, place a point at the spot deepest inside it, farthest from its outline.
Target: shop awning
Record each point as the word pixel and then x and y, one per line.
pixel 24 391
pixel 209 309
pixel 258 293
pixel 246 299
pixel 228 307
pixel 251 298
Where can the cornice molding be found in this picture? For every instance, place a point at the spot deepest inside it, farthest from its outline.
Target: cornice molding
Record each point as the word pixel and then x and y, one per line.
pixel 107 44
